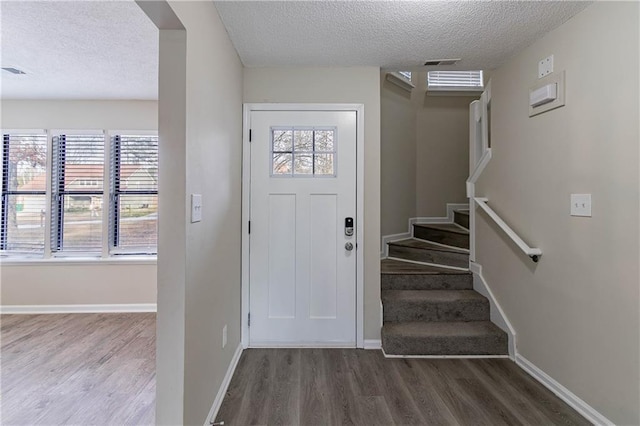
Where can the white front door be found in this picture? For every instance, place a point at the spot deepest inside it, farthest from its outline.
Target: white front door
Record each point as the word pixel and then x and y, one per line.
pixel 302 267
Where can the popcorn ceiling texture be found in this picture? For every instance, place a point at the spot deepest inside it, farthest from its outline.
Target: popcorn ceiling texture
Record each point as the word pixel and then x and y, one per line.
pixel 109 49
pixel 78 50
pixel 389 34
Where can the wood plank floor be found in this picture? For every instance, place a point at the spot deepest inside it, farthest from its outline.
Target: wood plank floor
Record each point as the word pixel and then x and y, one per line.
pixel 83 369
pixel 357 387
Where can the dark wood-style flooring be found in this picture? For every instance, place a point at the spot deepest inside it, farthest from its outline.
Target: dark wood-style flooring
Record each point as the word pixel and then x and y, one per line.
pixel 357 387
pixel 99 369
pixel 81 369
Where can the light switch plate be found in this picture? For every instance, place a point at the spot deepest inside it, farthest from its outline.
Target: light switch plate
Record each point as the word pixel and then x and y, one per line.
pixel 196 208
pixel 581 205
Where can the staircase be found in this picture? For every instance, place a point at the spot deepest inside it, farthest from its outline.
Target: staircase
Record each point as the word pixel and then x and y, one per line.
pixel 429 305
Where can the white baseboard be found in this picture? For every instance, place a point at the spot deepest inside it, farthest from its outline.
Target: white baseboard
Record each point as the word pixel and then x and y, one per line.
pixel 217 403
pixel 78 309
pixel 498 317
pixel 372 344
pixel 563 393
pixel 390 238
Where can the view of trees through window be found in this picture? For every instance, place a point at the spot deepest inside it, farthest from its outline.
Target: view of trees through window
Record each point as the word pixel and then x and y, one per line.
pixel 24 161
pixel 76 214
pixel 303 152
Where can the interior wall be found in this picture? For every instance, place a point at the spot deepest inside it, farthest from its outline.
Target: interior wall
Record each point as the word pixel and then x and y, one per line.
pixel 576 312
pixel 201 134
pixel 74 283
pixel 397 158
pixel 424 147
pixel 338 85
pixel 442 150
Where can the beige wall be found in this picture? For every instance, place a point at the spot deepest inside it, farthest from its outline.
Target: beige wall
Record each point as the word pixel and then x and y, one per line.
pixel 424 149
pixel 59 283
pixel 338 85
pixel 93 115
pixel 576 312
pixel 397 158
pixel 442 152
pixel 78 284
pixel 200 107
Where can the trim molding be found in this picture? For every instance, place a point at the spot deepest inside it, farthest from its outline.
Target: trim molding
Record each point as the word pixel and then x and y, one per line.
pixel 373 344
pixel 498 317
pixel 563 393
pixel 386 355
pixel 78 309
pixel 384 252
pixel 217 403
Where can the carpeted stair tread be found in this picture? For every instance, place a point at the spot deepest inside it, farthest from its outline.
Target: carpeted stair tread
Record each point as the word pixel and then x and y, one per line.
pixel 434 305
pixel 425 251
pixel 444 338
pixel 393 266
pixel 450 234
pixel 462 211
pixel 447 227
pixel 426 245
pixel 431 295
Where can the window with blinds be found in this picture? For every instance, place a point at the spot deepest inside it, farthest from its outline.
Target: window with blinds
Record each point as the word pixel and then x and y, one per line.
pixel 455 80
pixel 134 194
pixel 23 205
pixel 405 74
pixel 77 193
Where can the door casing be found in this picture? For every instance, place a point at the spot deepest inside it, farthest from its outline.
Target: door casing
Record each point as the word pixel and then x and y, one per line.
pixel 246 197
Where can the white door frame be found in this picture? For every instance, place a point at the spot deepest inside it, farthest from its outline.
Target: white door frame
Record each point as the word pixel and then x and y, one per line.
pixel 246 188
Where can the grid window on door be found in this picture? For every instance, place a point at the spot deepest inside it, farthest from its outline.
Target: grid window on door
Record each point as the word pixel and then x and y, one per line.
pixel 303 152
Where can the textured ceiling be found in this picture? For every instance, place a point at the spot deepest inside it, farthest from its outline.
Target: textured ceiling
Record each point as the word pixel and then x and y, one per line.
pixel 389 34
pixel 78 50
pixel 109 49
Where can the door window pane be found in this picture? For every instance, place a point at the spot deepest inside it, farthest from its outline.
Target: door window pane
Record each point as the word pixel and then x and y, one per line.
pixel 303 152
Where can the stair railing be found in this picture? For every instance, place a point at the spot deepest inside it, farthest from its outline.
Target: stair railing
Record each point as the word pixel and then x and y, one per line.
pixel 533 253
pixel 479 156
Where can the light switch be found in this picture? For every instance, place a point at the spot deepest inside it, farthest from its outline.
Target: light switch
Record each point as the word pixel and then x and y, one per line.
pixel 581 205
pixel 196 208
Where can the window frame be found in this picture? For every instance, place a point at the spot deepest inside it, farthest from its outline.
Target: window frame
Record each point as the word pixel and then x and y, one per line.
pixel 5 193
pixel 114 192
pixel 58 232
pixel 443 88
pixel 76 256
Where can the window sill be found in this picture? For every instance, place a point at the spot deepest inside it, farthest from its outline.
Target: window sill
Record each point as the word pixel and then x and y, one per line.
pixel 452 92
pixel 67 261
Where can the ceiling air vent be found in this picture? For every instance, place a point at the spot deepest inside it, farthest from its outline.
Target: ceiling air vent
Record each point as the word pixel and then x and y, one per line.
pixel 13 70
pixel 436 62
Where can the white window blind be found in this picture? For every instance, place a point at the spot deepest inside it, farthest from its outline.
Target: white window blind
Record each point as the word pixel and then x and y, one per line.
pixel 455 80
pixel 77 193
pixel 23 209
pixel 134 194
pixel 405 74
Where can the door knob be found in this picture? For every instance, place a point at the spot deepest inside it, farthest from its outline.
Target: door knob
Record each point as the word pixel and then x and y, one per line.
pixel 348 246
